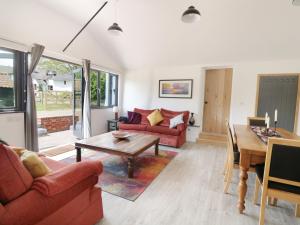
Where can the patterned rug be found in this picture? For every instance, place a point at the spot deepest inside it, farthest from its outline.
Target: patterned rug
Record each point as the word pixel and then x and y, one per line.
pixel 114 178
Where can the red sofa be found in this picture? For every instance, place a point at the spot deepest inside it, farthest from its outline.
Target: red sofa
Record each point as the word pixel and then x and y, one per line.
pixel 66 196
pixel 174 137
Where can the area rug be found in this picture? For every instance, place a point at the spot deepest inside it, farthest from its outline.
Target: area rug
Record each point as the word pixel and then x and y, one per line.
pixel 58 150
pixel 114 178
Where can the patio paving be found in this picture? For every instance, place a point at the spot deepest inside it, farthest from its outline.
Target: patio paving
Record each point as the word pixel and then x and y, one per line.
pixel 56 139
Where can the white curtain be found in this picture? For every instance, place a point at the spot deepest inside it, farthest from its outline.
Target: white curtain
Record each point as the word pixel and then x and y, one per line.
pixel 86 118
pixel 31 134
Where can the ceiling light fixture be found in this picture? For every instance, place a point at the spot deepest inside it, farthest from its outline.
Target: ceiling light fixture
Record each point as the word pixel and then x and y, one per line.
pixel 191 15
pixel 115 29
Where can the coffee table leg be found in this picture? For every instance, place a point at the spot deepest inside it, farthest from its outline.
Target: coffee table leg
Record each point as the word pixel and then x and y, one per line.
pixel 78 154
pixel 156 148
pixel 130 167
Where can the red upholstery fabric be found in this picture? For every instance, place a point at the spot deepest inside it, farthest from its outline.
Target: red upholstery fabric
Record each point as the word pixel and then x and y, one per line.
pixel 168 114
pixel 144 113
pixel 54 165
pixel 163 130
pixel 15 180
pixel 63 179
pixel 88 213
pixel 72 205
pixel 125 126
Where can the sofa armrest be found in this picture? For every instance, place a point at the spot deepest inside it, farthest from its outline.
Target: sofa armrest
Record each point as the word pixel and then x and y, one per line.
pixel 181 127
pixel 67 177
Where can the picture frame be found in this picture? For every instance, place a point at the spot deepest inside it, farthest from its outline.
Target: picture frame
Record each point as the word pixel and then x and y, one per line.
pixel 176 88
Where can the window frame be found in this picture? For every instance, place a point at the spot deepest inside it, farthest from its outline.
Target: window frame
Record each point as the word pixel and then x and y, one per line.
pixel 110 105
pixel 20 70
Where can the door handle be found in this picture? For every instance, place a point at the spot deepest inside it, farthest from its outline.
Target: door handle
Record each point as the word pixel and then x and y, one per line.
pixel 205 102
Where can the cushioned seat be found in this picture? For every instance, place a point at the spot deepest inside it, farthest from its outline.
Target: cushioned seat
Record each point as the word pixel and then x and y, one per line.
pixel 274 185
pixel 139 127
pixel 163 130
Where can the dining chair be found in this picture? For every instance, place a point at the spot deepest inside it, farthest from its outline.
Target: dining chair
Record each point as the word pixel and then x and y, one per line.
pixel 279 177
pixel 256 121
pixel 232 158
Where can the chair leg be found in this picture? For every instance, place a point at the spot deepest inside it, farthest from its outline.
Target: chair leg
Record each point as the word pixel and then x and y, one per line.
pixel 257 187
pixel 225 166
pixel 228 178
pixel 262 208
pixel 297 211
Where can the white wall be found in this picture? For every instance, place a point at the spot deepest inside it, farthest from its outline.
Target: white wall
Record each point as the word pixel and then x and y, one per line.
pixel 12 128
pixel 137 89
pixel 142 85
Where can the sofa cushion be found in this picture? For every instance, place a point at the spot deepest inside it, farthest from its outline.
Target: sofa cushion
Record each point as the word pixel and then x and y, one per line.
pixel 15 180
pixel 176 121
pixel 169 114
pixel 134 118
pixel 144 113
pixel 125 126
pixel 155 118
pixel 163 130
pixel 34 164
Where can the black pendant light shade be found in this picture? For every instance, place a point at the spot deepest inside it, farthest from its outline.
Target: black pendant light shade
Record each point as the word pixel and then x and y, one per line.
pixel 191 15
pixel 115 29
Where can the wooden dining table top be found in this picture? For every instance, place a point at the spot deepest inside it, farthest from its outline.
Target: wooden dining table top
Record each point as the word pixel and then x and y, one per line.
pixel 247 140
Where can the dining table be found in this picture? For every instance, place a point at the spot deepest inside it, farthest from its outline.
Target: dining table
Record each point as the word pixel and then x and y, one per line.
pixel 252 152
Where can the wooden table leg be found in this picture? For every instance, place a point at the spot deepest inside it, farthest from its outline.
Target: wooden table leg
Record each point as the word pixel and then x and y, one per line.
pixel 242 189
pixel 78 154
pixel 130 167
pixel 156 148
pixel 244 168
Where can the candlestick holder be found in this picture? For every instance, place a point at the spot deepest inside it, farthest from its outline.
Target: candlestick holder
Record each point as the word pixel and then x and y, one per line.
pixel 275 125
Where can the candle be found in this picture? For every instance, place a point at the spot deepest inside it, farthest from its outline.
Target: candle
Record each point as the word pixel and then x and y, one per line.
pixel 266 118
pixel 275 116
pixel 268 122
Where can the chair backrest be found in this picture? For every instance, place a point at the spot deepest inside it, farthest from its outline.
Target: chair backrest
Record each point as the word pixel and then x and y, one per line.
pixel 256 121
pixel 230 150
pixel 283 162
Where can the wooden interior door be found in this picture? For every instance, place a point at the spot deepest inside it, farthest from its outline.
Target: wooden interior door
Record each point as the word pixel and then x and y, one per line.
pixel 217 100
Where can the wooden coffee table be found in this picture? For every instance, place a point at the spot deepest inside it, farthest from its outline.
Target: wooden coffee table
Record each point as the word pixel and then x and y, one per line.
pixel 130 147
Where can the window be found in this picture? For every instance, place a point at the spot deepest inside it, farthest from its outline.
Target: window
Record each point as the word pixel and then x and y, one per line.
pixel 104 89
pixel 12 75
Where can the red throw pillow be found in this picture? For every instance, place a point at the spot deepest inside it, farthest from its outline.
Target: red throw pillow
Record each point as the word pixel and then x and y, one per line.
pixel 14 177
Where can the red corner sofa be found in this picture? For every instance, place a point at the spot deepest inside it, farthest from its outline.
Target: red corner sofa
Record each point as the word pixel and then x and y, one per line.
pixel 174 137
pixel 66 196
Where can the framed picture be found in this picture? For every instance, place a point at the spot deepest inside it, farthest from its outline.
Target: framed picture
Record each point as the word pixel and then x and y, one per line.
pixel 182 88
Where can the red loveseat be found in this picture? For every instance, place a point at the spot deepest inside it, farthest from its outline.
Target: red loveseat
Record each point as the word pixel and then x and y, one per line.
pixel 174 137
pixel 66 196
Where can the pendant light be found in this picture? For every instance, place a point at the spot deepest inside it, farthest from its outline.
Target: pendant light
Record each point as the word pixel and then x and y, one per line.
pixel 115 29
pixel 191 15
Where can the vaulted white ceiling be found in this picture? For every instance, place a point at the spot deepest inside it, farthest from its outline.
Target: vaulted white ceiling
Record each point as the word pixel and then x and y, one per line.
pixel 229 30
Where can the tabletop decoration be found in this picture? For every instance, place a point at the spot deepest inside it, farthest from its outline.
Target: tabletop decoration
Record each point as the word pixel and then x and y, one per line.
pixel 264 133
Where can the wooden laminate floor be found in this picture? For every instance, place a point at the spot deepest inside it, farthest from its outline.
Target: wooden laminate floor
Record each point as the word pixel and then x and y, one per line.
pixel 189 191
